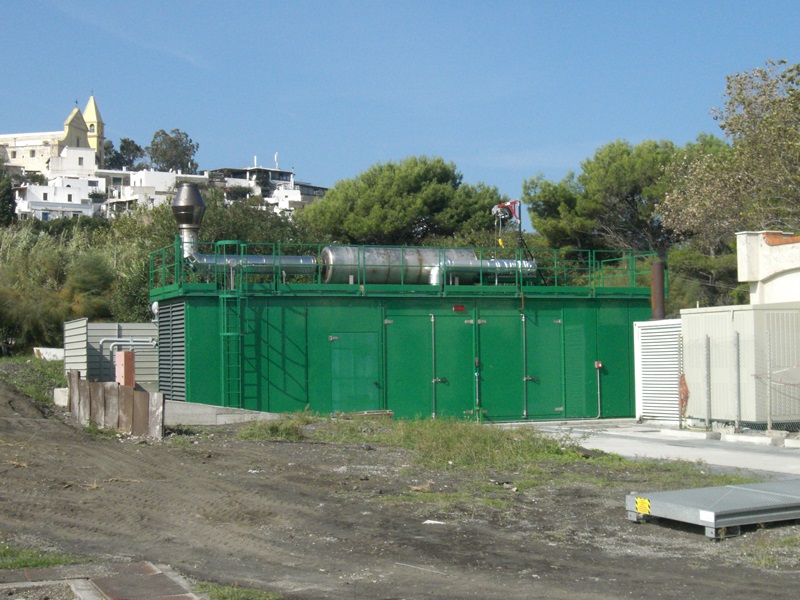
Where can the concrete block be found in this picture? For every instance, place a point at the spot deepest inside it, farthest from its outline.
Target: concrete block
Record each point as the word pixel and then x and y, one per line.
pixel 791 443
pixel 759 440
pixel 691 434
pixel 61 397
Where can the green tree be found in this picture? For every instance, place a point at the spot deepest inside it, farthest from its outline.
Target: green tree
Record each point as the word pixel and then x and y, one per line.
pixel 754 182
pixel 611 203
pixel 129 156
pixel 7 203
pixel 400 203
pixel 173 151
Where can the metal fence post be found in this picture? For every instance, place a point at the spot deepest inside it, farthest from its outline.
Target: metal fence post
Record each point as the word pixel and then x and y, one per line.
pixel 708 382
pixel 769 382
pixel 738 424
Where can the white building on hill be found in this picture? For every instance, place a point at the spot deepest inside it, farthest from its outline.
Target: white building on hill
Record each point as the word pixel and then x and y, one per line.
pixel 78 185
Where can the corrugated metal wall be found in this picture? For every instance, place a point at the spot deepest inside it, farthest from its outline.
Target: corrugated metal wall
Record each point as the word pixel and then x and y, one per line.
pixel 657 365
pixel 76 346
pixel 90 347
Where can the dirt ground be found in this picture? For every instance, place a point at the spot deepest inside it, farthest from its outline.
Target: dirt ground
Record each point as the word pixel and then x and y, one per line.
pixel 313 520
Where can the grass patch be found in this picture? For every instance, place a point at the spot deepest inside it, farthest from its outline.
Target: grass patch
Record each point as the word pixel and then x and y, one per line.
pixel 234 592
pixel 528 456
pixel 33 376
pixel 288 427
pixel 95 430
pixel 12 557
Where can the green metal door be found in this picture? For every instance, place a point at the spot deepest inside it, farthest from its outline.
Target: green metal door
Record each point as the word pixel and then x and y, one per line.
pixel 614 352
pixel 408 365
pixel 287 339
pixel 501 366
pixel 355 371
pixel 453 365
pixel 544 363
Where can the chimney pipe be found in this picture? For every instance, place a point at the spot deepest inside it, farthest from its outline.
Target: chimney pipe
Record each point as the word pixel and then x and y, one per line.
pixel 188 208
pixel 657 286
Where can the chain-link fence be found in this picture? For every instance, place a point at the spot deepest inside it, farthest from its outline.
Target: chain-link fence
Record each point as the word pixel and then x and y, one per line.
pixel 741 369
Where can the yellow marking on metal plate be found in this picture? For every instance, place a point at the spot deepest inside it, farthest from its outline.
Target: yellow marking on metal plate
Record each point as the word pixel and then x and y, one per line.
pixel 643 506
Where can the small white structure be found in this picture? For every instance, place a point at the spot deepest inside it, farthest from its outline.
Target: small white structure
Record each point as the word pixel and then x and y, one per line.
pixel 90 348
pixel 742 363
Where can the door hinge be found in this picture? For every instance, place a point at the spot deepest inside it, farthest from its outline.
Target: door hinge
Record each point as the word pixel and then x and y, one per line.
pixel 387 321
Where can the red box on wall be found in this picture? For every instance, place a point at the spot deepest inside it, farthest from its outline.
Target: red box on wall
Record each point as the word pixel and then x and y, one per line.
pixel 125 368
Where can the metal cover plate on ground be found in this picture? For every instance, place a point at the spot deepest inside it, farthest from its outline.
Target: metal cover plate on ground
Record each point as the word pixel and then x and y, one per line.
pixel 724 507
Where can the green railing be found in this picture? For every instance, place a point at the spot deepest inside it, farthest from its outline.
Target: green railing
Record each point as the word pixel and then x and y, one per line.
pixel 333 269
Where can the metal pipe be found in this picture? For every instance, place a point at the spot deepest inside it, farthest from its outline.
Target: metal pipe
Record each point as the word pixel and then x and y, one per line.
pixel 525 378
pixel 598 366
pixel 656 290
pixel 435 379
pixel 292 265
pixel 132 342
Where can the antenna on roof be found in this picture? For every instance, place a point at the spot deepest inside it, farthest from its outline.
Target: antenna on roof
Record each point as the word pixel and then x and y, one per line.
pixel 276 161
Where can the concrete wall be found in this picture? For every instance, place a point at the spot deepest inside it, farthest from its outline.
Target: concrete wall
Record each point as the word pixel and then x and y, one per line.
pixel 770 261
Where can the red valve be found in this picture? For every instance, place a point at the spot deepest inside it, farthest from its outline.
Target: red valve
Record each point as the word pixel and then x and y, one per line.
pixel 598 364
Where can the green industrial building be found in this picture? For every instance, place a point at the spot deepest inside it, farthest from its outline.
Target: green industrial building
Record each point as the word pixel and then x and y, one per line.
pixel 491 334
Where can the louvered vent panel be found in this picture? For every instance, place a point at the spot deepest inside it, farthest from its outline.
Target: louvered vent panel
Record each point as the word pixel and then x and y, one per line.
pixel 658 369
pixel 172 351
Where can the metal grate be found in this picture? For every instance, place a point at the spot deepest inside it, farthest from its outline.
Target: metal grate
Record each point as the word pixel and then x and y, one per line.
pixel 172 350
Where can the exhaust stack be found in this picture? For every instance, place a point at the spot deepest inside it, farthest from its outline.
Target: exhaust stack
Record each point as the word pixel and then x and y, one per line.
pixel 188 208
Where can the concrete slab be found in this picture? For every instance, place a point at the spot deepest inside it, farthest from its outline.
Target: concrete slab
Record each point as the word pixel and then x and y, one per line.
pixel 691 434
pixel 639 440
pixel 758 440
pixel 189 413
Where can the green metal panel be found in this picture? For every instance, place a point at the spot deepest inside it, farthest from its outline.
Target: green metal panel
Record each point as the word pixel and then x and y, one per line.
pixel 287 369
pixel 331 318
pixel 255 348
pixel 453 338
pixel 203 363
pixel 614 352
pixel 580 346
pixel 501 364
pixel 544 333
pixel 409 364
pixel 355 371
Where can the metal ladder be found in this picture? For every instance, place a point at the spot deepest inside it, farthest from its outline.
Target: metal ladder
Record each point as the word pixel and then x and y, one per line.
pixel 231 338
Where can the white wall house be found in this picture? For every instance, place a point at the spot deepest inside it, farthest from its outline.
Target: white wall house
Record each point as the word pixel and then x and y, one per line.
pixel 72 190
pixel 70 160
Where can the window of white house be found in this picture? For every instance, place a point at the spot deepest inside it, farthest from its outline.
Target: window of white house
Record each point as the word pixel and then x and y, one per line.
pixel 44 196
pixel 69 197
pixel 80 161
pixel 45 216
pixel 13 154
pixel 33 153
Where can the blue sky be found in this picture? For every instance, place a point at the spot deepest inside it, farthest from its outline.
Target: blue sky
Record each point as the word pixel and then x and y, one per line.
pixel 505 90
